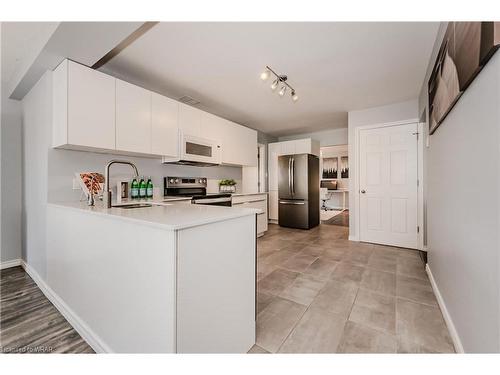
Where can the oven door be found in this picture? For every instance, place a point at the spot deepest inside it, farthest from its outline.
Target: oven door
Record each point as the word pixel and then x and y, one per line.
pixel 200 150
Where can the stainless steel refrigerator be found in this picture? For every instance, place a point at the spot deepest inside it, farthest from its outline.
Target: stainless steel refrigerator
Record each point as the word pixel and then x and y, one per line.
pixel 298 191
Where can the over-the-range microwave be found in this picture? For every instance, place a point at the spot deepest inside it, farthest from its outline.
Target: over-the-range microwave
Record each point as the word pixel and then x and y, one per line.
pixel 196 151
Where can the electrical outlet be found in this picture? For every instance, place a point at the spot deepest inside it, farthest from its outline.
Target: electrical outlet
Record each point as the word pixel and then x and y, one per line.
pixel 76 184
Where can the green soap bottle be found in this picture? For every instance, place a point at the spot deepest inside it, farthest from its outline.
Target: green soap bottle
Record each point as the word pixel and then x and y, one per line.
pixel 142 188
pixel 149 188
pixel 134 190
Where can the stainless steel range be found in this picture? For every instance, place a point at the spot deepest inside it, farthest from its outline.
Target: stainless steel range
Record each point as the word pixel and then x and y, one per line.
pixel 194 187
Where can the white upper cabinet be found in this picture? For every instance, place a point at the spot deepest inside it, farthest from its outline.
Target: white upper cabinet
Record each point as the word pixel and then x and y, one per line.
pixel 83 107
pixel 96 112
pixel 239 145
pixel 165 126
pixel 133 118
pixel 190 120
pixel 211 127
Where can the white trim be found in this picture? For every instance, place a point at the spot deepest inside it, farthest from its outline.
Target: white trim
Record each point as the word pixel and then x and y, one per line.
pixel 73 319
pixel 420 188
pixel 457 343
pixel 353 238
pixel 10 263
pixel 355 192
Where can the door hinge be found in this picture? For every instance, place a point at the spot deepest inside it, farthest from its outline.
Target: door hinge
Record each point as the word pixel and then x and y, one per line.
pixel 418 229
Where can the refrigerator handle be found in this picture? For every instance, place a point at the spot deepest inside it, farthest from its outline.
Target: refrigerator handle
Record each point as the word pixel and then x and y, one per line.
pixel 290 176
pixel 293 175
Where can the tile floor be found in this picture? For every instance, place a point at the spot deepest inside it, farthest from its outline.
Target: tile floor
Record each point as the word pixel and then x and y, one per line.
pixel 317 292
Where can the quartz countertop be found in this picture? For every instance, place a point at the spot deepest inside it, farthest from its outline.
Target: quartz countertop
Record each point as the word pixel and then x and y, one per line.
pixel 167 216
pixel 243 194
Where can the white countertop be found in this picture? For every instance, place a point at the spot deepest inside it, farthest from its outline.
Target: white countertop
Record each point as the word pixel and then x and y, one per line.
pixel 243 194
pixel 166 216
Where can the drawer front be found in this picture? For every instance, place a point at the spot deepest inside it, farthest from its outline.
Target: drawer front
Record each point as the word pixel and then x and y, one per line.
pixel 249 198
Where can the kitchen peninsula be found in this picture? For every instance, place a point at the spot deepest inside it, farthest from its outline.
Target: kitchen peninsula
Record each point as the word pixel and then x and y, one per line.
pixel 171 278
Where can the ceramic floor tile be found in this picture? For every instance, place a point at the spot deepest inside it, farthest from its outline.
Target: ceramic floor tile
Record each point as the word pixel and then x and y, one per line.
pixel 379 281
pixel 299 262
pixel 411 267
pixel 382 263
pixel 313 250
pixel 408 347
pixel 374 310
pixel 422 324
pixel 358 256
pixel 295 247
pixel 264 269
pixel 336 297
pixel 318 331
pixel 303 289
pixel 417 290
pixel 348 273
pixel 276 281
pixel 263 300
pixel 278 257
pixel 276 321
pixel 333 254
pixel 256 349
pixel 361 339
pixel 321 268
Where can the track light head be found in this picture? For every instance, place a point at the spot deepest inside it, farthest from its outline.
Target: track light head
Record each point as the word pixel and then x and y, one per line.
pixel 282 91
pixel 295 97
pixel 265 75
pixel 275 84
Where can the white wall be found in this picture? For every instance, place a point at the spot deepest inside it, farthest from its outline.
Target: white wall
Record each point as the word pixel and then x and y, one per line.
pixel 10 171
pixel 326 137
pixel 463 239
pixel 11 182
pixel 403 111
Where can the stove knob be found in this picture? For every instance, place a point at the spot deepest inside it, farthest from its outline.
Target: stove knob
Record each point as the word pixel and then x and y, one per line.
pixel 176 180
pixel 171 180
pixel 200 181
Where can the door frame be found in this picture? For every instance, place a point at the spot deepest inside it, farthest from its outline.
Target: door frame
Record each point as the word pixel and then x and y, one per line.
pixel 420 176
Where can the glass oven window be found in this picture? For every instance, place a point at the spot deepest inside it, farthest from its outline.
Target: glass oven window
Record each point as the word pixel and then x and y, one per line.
pixel 197 149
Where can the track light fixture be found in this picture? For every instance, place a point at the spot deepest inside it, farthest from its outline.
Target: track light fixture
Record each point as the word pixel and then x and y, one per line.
pixel 280 79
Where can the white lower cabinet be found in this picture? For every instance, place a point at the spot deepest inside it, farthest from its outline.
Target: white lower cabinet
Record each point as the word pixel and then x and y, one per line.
pixel 258 201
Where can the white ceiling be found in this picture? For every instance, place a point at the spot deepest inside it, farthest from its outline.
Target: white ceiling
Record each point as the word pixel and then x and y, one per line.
pixel 335 67
pixel 20 39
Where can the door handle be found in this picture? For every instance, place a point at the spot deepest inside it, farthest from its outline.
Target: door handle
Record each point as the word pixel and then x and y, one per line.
pixel 293 176
pixel 294 203
pixel 363 191
pixel 290 176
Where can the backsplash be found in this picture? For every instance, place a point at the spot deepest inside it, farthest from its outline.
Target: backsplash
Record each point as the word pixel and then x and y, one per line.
pixel 63 164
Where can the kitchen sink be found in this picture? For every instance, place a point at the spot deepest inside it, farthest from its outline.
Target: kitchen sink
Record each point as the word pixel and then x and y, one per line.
pixel 136 205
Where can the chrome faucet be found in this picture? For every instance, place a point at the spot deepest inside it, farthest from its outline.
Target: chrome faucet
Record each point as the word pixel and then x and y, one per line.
pixel 107 192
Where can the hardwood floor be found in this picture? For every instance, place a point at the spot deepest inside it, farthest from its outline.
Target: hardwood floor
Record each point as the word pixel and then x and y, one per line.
pixel 29 323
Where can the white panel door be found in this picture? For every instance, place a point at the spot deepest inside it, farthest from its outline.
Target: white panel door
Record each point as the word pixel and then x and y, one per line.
pixel 164 126
pixel 133 118
pixel 388 185
pixel 91 107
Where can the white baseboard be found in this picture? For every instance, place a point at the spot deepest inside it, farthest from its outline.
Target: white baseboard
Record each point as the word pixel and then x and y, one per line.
pixel 10 263
pixel 446 315
pixel 79 325
pixel 353 238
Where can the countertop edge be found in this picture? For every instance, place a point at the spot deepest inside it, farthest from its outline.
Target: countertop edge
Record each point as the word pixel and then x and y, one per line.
pixel 248 212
